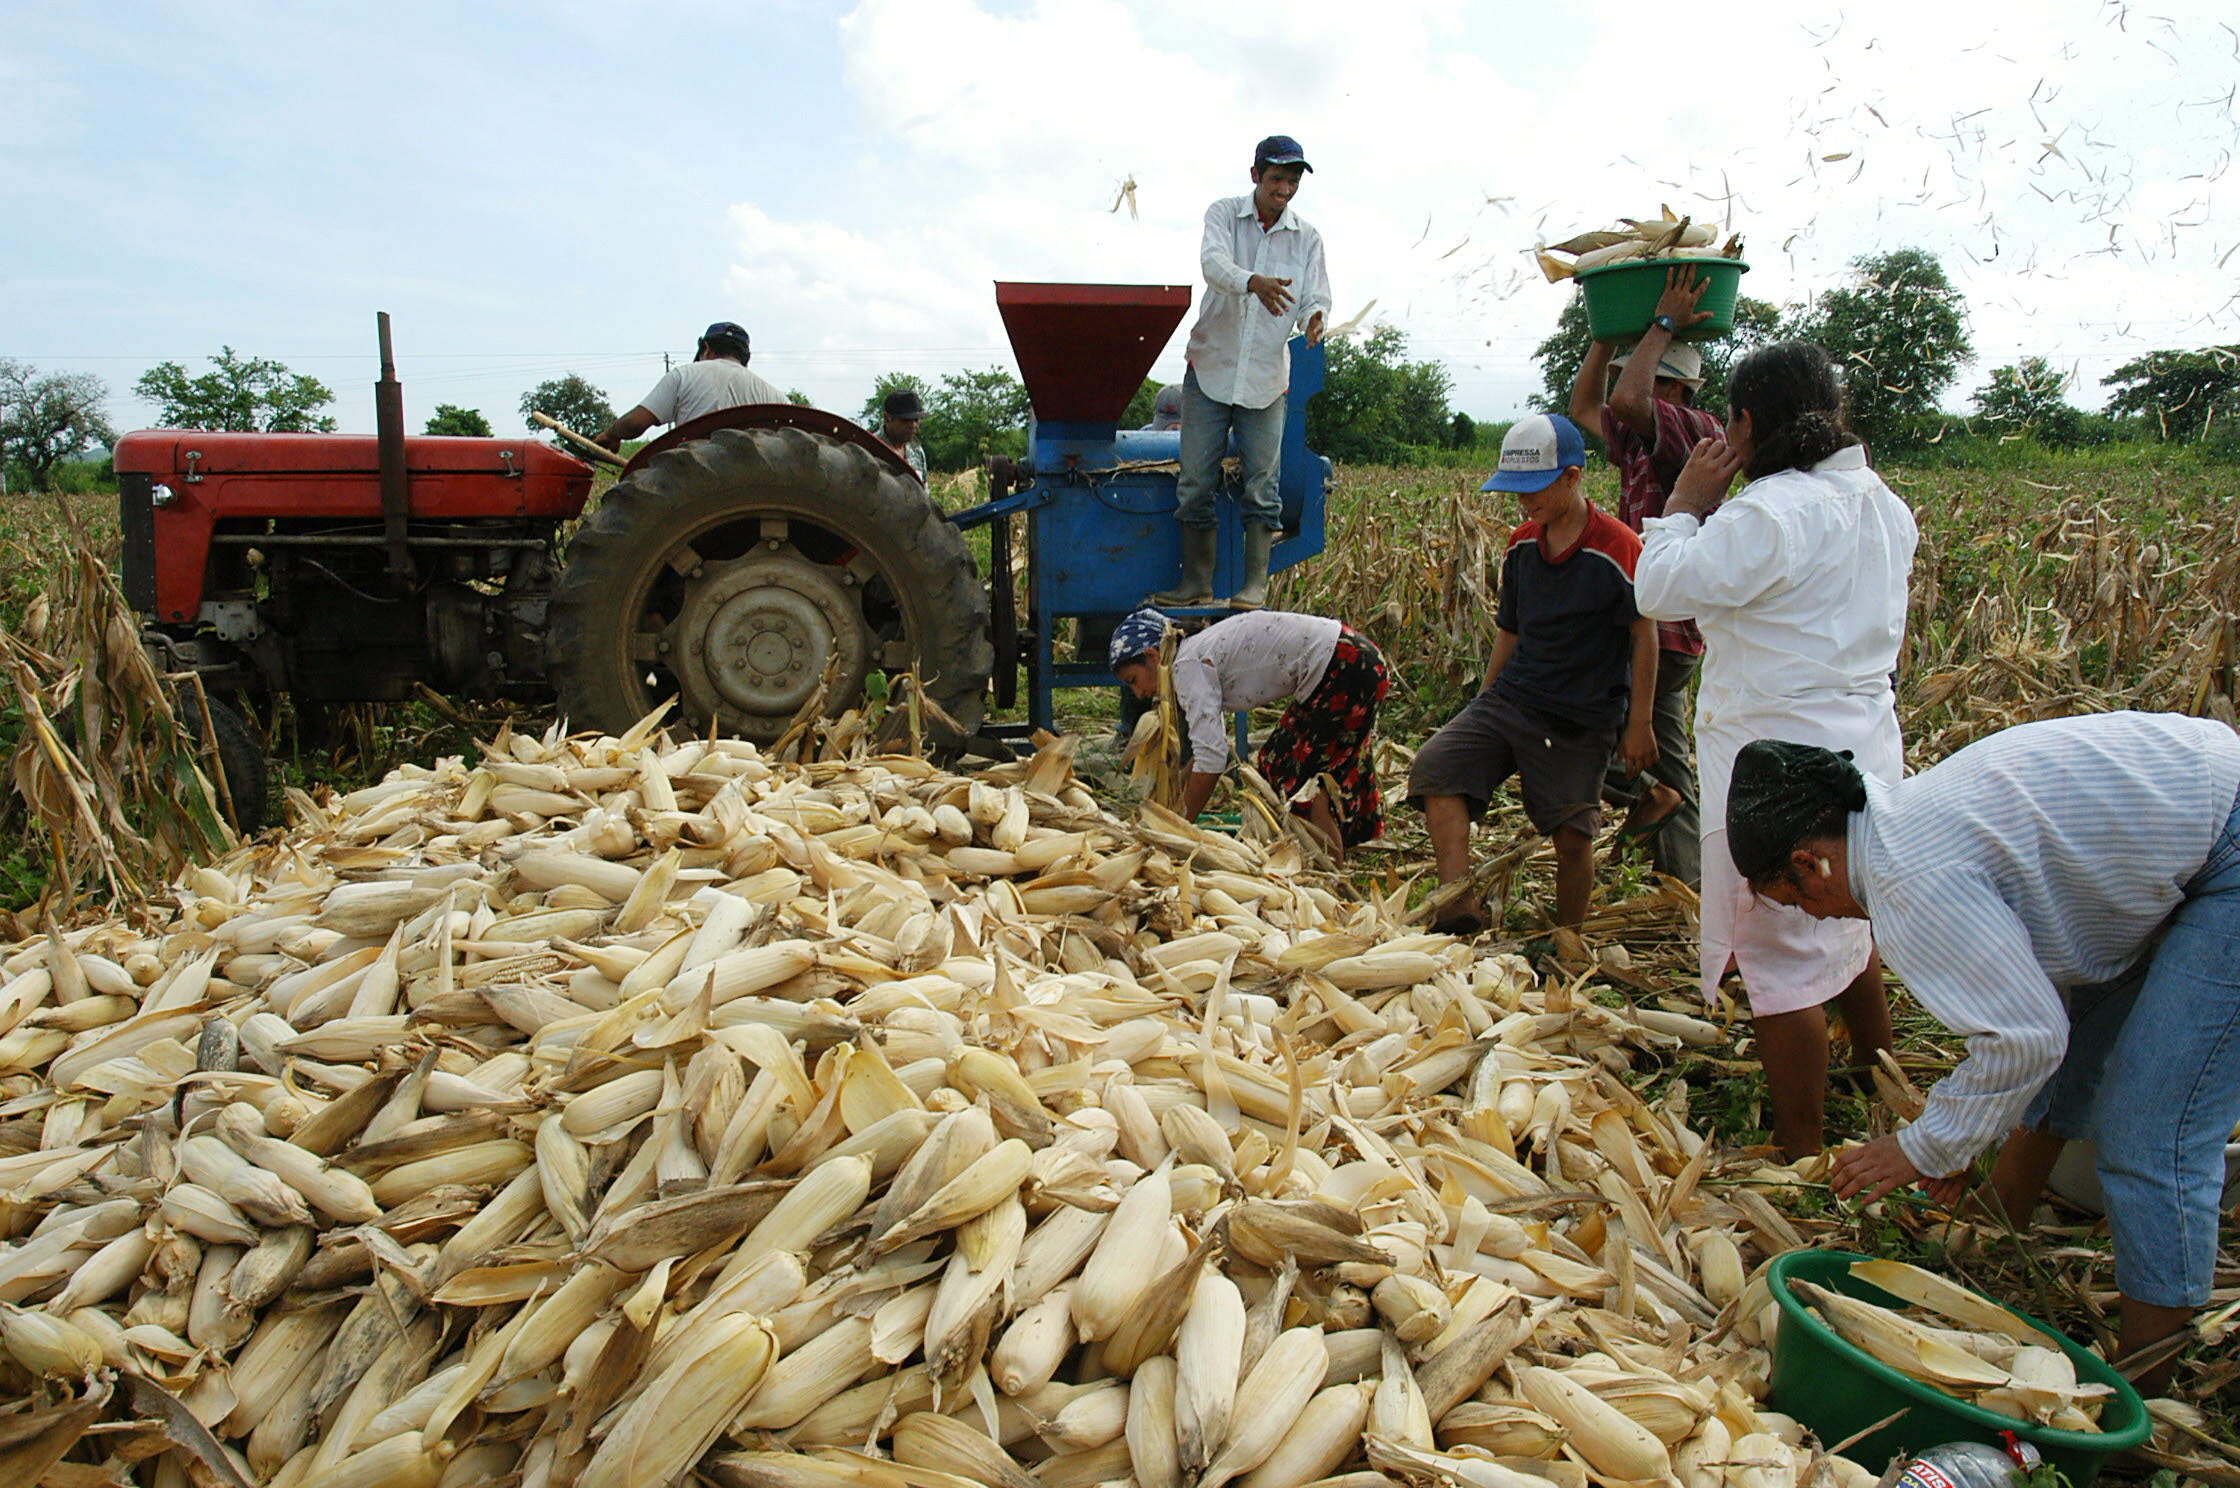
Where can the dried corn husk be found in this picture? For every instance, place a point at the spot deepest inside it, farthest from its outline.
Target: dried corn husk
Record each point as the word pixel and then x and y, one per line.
pixel 939 1128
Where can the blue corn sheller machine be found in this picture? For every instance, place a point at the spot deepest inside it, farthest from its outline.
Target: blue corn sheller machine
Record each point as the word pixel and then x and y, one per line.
pixel 1099 500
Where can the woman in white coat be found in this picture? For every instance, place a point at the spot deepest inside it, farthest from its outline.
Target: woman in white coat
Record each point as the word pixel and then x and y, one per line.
pixel 1798 583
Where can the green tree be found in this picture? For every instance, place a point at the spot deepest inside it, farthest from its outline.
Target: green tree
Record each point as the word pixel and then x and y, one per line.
pixel 2026 398
pixel 2182 395
pixel 799 399
pixel 1139 410
pixel 1756 323
pixel 244 394
pixel 1464 433
pixel 1375 404
pixel 571 401
pixel 45 420
pixel 450 418
pixel 973 415
pixel 1900 333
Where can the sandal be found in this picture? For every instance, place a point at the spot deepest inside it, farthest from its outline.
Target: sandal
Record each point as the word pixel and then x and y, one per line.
pixel 1464 925
pixel 1640 826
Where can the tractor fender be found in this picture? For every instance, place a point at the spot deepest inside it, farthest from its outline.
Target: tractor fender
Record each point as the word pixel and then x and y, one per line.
pixel 771 416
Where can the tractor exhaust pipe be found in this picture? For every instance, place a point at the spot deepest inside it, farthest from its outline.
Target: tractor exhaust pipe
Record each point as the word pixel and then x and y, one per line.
pixel 388 428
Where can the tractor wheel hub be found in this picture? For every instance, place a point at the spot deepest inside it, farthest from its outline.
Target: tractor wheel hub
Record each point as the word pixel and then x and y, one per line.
pixel 755 634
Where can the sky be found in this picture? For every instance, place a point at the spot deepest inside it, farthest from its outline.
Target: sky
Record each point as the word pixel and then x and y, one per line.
pixel 531 190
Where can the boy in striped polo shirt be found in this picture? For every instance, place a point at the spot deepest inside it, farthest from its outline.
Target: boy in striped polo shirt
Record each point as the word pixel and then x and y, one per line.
pixel 1573 663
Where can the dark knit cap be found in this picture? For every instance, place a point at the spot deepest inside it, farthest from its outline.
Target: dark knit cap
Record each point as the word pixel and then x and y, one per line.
pixel 1779 793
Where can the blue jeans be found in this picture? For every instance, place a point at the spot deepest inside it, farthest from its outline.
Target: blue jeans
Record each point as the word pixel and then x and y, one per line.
pixel 1206 427
pixel 2152 1074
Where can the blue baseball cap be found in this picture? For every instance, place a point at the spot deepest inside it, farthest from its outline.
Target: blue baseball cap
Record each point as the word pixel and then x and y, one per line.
pixel 1535 451
pixel 1279 149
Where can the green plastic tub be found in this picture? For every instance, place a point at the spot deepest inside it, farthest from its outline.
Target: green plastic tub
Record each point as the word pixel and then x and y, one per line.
pixel 1622 297
pixel 1837 1390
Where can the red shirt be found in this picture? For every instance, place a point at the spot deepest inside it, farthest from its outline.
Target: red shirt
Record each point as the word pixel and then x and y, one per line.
pixel 1646 470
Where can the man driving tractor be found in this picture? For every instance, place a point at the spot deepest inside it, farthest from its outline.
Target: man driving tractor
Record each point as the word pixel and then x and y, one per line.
pixel 715 378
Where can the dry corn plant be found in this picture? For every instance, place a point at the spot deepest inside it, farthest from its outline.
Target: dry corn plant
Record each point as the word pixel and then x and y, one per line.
pixel 112 782
pixel 1417 572
pixel 2076 610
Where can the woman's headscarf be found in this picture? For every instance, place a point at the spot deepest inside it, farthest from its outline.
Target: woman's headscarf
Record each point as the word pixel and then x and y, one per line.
pixel 1140 632
pixel 1779 794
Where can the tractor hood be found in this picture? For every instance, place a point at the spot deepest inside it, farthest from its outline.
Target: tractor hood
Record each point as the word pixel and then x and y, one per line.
pixel 192 454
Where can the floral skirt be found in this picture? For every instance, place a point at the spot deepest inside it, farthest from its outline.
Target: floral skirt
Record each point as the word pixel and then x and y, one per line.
pixel 1325 736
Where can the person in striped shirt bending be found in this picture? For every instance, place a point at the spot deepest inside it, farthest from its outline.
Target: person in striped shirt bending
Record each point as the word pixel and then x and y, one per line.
pixel 2066 895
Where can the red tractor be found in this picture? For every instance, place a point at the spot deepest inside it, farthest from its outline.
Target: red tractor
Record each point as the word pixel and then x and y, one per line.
pixel 733 557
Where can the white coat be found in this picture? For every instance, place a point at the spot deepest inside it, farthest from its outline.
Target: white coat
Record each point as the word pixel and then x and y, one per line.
pixel 1798 583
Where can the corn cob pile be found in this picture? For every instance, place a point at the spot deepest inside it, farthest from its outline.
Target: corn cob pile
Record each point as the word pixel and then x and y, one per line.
pixel 1961 1343
pixel 1662 236
pixel 620 1106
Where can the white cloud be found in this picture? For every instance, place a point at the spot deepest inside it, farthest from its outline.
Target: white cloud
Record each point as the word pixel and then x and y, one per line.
pixel 2009 141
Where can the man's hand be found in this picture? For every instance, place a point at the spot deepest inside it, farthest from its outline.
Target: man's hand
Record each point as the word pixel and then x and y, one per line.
pixel 1870 1171
pixel 1270 291
pixel 1949 1190
pixel 1638 749
pixel 1314 329
pixel 1711 468
pixel 1682 288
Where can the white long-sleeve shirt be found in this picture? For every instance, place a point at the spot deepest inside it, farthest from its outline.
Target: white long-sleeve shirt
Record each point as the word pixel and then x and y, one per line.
pixel 2041 858
pixel 1244 662
pixel 1798 583
pixel 1241 353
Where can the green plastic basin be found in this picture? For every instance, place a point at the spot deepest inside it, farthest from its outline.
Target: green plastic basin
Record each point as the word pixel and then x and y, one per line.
pixel 1622 297
pixel 1838 1390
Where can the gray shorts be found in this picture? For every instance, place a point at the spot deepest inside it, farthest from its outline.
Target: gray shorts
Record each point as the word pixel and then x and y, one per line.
pixel 1558 765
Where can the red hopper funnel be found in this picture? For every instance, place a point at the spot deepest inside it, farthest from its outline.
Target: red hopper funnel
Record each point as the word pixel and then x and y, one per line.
pixel 1083 348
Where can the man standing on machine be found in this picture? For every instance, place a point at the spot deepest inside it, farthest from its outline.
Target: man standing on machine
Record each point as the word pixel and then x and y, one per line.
pixel 1264 279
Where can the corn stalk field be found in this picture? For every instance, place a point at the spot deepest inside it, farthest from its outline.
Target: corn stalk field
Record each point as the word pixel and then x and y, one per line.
pixel 599 1110
pixel 2059 585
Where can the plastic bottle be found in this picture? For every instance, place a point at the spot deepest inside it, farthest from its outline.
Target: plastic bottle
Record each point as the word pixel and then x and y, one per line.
pixel 1967 1464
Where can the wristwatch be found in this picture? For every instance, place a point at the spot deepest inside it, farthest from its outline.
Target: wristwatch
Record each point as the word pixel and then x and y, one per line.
pixel 1671 326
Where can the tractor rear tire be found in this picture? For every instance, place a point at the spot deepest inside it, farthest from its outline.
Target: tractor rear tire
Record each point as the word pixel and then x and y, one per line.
pixel 241 756
pixel 726 572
